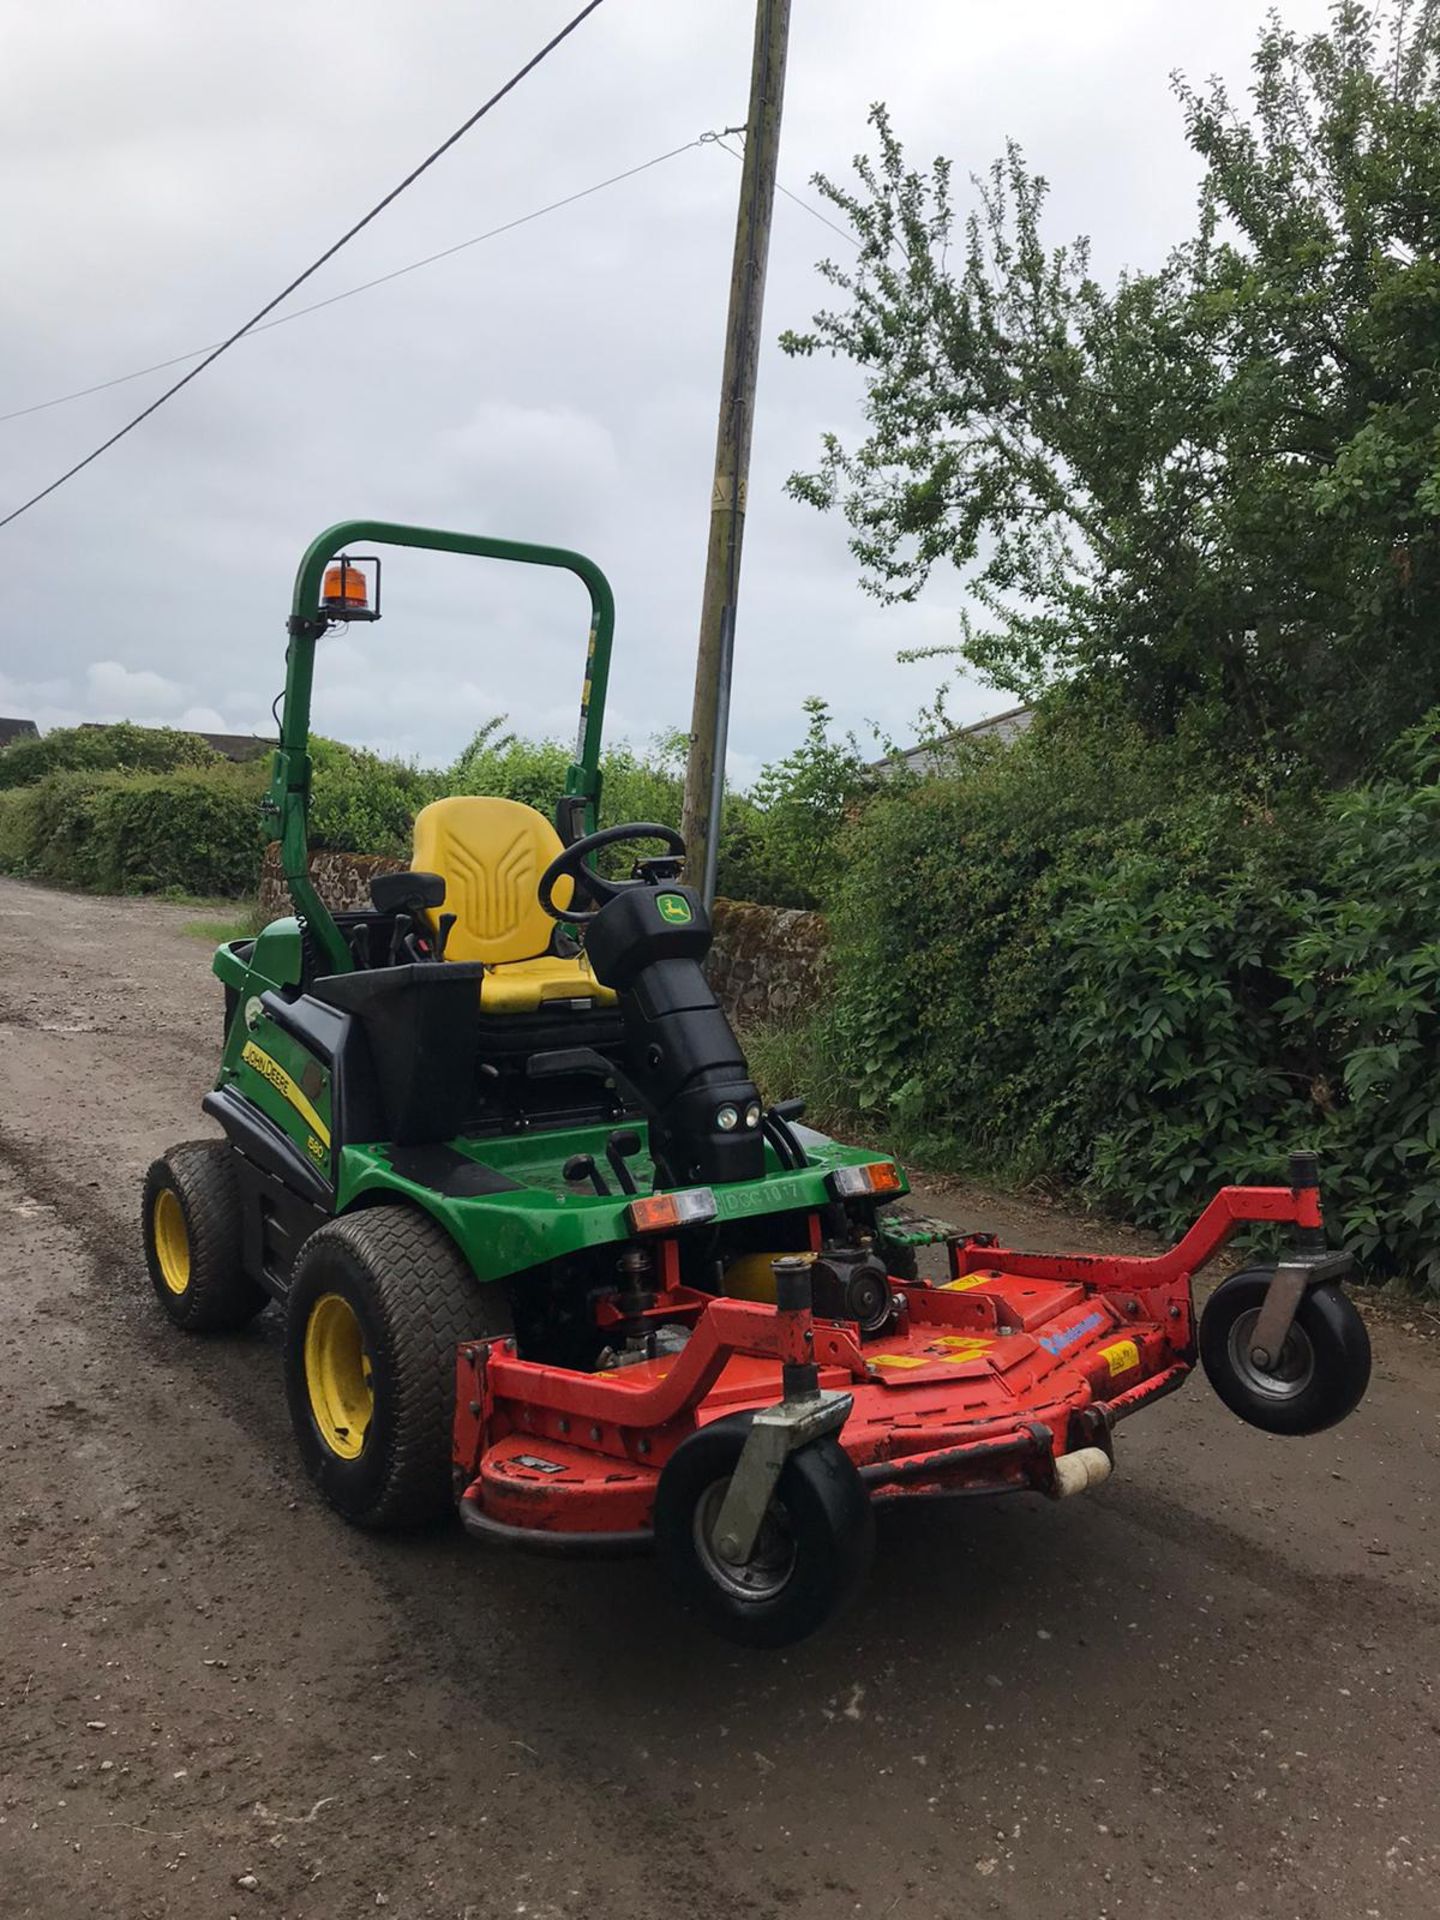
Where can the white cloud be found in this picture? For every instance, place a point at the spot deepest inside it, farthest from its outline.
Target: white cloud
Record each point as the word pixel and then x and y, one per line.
pixel 122 693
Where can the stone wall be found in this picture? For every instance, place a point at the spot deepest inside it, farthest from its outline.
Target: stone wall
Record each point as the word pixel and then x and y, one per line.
pixel 768 964
pixel 342 880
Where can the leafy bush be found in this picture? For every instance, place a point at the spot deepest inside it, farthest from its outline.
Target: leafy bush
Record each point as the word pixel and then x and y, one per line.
pixel 782 845
pixel 362 802
pixel 777 846
pixel 1071 960
pixel 15 836
pixel 123 748
pixel 197 830
pixel 636 785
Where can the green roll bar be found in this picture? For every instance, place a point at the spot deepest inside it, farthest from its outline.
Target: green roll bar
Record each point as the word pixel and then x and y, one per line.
pixel 289 792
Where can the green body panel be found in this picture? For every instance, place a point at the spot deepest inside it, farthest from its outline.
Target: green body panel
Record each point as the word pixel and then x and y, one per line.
pixel 289 793
pixel 271 959
pixel 268 1059
pixel 543 1219
pixel 274 961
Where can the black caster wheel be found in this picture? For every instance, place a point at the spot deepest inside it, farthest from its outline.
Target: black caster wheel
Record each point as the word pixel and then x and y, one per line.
pixel 813 1549
pixel 1319 1376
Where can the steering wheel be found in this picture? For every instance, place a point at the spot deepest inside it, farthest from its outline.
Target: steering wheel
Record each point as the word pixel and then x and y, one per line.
pixel 571 865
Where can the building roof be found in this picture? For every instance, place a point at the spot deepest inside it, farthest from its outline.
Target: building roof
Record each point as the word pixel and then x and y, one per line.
pixel 11 730
pixel 234 746
pixel 930 755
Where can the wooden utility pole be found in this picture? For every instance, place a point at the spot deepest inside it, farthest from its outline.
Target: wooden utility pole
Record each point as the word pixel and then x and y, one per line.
pixel 710 717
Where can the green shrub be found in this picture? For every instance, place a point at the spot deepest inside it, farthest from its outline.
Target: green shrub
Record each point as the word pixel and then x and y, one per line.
pixel 123 748
pixel 362 802
pixel 777 846
pixel 197 830
pixel 782 841
pixel 637 785
pixel 502 764
pixel 1070 959
pixel 16 807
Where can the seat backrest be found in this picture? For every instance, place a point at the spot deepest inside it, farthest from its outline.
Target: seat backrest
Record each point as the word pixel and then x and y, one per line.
pixel 491 854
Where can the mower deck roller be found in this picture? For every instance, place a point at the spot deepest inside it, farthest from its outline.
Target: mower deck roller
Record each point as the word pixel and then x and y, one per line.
pixel 541 1247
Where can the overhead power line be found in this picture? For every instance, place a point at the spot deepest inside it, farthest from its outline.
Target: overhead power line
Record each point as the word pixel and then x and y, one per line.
pixel 428 260
pixel 315 265
pixel 380 280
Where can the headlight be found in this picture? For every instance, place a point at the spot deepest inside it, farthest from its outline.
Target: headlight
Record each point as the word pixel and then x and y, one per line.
pixel 752 1114
pixel 727 1118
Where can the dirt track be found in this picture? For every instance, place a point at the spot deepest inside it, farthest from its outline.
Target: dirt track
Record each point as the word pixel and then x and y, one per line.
pixel 1209 1687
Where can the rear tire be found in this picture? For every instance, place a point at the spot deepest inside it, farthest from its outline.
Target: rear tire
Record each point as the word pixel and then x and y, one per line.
pixel 812 1553
pixel 380 1301
pixel 190 1217
pixel 1321 1373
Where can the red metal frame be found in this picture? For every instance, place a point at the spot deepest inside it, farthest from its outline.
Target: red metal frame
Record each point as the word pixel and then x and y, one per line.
pixel 980 1385
pixel 1232 1207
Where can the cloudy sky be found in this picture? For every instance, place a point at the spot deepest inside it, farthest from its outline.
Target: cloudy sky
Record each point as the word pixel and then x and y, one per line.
pixel 166 166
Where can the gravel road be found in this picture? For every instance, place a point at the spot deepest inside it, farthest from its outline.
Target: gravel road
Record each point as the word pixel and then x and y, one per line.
pixel 1207 1688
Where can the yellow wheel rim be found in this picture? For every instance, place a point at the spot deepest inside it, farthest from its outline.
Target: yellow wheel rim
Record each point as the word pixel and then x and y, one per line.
pixel 172 1240
pixel 337 1374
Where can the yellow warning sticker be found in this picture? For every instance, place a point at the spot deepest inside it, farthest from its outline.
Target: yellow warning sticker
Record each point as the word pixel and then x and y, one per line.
pixel 962 1346
pixel 1121 1357
pixel 901 1360
pixel 964 1284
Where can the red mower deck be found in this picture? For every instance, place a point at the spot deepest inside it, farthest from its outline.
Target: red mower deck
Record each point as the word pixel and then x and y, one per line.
pixel 989 1383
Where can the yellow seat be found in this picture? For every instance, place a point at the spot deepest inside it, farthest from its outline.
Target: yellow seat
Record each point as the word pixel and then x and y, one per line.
pixel 491 854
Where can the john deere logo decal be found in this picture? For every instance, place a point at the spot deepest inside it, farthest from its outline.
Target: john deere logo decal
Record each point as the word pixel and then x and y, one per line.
pixel 675 908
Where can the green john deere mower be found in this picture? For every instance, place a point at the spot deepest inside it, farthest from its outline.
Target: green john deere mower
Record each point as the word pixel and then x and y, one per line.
pixel 545 1255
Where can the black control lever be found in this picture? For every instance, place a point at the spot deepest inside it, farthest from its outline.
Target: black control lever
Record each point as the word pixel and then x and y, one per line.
pixel 442 937
pixel 581 1166
pixel 781 1135
pixel 618 1149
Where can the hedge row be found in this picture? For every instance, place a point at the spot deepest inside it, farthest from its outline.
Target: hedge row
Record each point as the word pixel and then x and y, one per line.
pixel 1072 960
pixel 121 748
pixel 194 830
pixel 135 807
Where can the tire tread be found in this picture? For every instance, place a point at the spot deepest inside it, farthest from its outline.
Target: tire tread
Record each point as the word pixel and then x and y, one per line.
pixel 221 1296
pixel 429 1302
pixel 1337 1336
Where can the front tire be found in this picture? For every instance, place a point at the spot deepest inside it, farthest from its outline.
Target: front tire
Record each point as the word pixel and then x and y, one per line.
pixel 814 1548
pixel 1320 1375
pixel 380 1301
pixel 190 1218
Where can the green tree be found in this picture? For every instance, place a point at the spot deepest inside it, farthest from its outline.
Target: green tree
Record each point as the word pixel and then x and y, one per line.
pixel 801 806
pixel 1216 485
